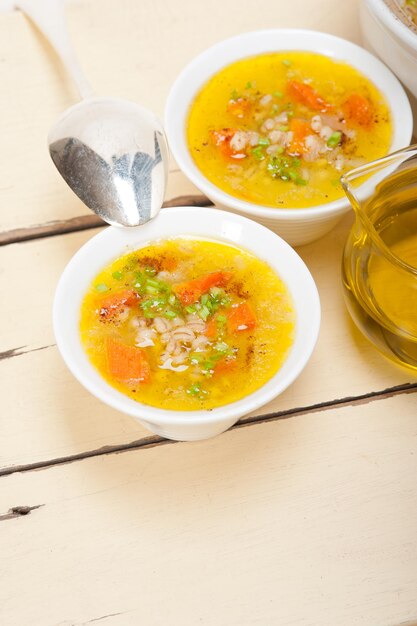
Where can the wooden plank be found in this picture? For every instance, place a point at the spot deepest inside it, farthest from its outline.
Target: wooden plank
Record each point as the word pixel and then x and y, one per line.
pixel 133 51
pixel 309 521
pixel 46 414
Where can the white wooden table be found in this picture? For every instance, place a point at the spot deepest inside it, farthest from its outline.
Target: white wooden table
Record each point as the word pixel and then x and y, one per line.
pixel 304 514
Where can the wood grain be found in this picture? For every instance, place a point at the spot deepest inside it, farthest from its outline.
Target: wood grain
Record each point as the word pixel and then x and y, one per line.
pixel 309 521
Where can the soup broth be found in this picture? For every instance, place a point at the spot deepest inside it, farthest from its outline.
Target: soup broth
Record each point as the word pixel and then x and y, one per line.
pixel 184 324
pixel 279 129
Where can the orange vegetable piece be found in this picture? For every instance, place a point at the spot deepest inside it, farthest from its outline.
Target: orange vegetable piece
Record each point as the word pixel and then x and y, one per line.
pixel 300 129
pixel 359 109
pixel 211 329
pixel 241 318
pixel 115 303
pixel 127 363
pixel 224 365
pixel 301 92
pixel 192 290
pixel 222 139
pixel 239 107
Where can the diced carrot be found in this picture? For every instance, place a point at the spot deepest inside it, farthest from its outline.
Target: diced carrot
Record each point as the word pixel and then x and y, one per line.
pixel 222 139
pixel 127 363
pixel 301 92
pixel 239 107
pixel 110 306
pixel 192 290
pixel 224 365
pixel 211 329
pixel 300 129
pixel 241 318
pixel 359 109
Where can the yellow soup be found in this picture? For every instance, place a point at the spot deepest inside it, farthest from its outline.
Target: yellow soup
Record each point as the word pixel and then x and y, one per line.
pixel 279 129
pixel 185 325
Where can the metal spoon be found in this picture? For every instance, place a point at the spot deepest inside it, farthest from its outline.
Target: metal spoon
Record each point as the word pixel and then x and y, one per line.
pixel 111 152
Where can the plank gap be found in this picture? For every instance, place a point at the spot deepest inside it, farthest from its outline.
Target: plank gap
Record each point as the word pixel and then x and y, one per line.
pixel 84 222
pixel 155 440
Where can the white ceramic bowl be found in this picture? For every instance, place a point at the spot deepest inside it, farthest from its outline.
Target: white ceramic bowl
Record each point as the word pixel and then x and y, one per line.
pixel 195 223
pixel 393 41
pixel 296 226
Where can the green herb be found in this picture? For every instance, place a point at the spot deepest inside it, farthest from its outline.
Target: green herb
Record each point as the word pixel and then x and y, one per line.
pixel 151 290
pixel 221 319
pixel 221 346
pixel 285 168
pixel 170 314
pixel 204 299
pixel 258 153
pixel 263 141
pixel 204 312
pixel 195 390
pixel 191 308
pixel 225 301
pixel 278 94
pixel 248 85
pixel 334 139
pixel 196 357
pixel 279 150
pixel 117 275
pixel 287 63
pixel 234 95
pixel 150 271
pixel 172 300
pixel 101 287
pixel 284 128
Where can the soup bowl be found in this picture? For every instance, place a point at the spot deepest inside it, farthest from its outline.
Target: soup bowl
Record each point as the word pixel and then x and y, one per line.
pixel 301 225
pixel 195 223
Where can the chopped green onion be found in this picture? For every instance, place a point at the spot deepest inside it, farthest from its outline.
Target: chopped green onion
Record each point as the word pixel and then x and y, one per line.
pixel 221 346
pixel 215 291
pixel 280 150
pixel 287 63
pixel 117 275
pixel 278 94
pixel 258 153
pixel 284 128
pixel 151 290
pixel 204 312
pixel 225 301
pixel 234 95
pixel 221 319
pixel 172 300
pixel 204 299
pixel 248 85
pixel 150 271
pixel 101 287
pixel 334 139
pixel 194 390
pixel 263 141
pixel 196 357
pixel 170 314
pixel 191 308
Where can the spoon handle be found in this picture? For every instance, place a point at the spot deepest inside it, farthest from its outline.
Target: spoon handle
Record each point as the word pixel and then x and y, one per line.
pixel 49 17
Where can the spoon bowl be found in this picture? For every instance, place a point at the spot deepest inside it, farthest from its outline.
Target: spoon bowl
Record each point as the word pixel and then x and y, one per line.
pixel 113 154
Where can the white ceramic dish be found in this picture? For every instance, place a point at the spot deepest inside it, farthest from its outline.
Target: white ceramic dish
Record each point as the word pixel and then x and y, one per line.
pixel 195 223
pixel 296 226
pixel 392 40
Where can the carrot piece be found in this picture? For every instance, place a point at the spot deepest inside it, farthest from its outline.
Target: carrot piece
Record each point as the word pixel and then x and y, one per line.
pixel 359 109
pixel 211 329
pixel 241 318
pixel 300 129
pixel 127 363
pixel 239 107
pixel 115 303
pixel 301 92
pixel 192 290
pixel 222 139
pixel 224 365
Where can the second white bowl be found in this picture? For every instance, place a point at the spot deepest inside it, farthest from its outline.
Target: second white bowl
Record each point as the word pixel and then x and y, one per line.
pixel 296 226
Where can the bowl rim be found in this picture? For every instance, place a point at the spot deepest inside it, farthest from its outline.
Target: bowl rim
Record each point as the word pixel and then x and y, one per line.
pixel 392 22
pixel 108 239
pixel 328 45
